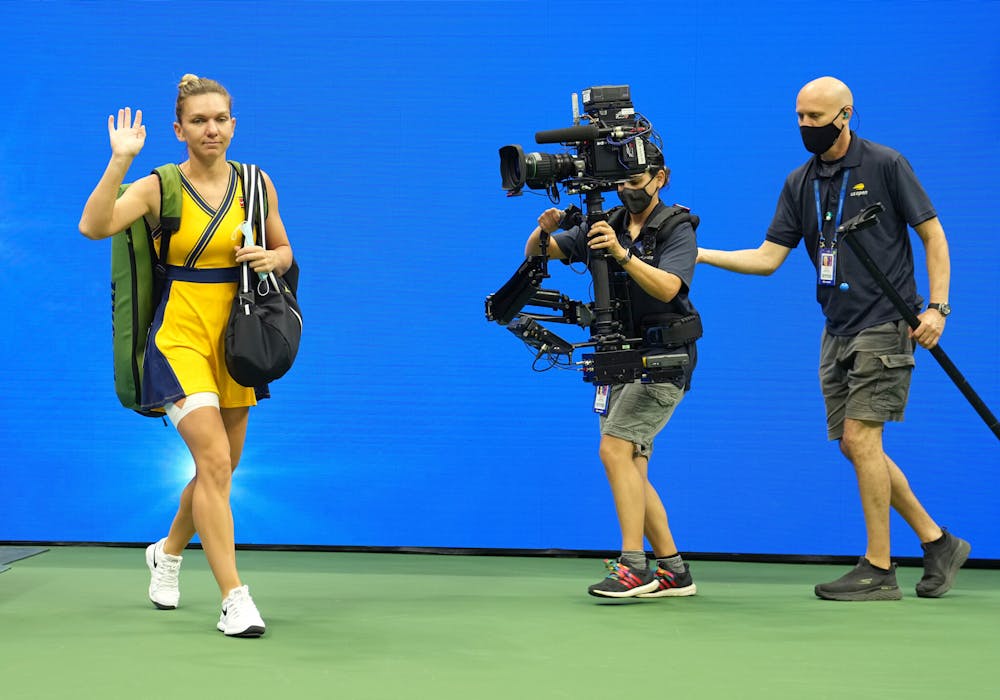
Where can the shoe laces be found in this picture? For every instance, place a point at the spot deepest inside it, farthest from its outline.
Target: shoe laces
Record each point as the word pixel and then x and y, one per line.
pixel 167 570
pixel 616 569
pixel 662 573
pixel 238 603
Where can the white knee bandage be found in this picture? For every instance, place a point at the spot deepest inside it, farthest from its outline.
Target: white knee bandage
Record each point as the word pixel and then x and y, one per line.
pixel 199 400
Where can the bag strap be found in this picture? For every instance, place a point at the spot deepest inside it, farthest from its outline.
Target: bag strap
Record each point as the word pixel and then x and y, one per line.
pixel 256 203
pixel 170 215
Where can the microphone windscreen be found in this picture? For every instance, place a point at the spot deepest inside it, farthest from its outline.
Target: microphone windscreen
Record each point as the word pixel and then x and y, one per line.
pixel 570 134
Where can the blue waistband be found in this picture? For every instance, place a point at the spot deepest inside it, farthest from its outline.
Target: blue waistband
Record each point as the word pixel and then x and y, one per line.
pixel 208 275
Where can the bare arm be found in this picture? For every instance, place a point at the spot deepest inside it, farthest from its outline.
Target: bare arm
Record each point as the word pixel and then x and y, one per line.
pixel 105 214
pixel 939 278
pixel 549 222
pixel 751 261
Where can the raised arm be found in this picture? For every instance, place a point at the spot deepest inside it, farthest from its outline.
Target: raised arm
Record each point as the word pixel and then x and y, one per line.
pixel 105 214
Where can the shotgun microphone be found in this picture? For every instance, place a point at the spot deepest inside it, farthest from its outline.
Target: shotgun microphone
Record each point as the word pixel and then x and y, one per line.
pixel 572 134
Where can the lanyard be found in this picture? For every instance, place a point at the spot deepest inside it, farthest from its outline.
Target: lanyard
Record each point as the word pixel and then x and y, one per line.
pixel 840 210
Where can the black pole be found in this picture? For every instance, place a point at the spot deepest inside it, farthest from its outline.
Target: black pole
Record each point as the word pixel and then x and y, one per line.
pixel 867 218
pixel 603 327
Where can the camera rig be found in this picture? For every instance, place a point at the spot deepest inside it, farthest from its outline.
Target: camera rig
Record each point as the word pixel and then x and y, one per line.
pixel 614 145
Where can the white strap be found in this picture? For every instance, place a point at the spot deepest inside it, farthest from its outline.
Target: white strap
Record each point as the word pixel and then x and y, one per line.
pixel 254 195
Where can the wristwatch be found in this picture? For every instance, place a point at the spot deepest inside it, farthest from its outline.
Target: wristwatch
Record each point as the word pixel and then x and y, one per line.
pixel 943 308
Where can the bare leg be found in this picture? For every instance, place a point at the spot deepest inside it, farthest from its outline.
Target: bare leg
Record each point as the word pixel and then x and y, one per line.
pixel 628 488
pixel 207 436
pixel 906 504
pixel 862 445
pixel 656 526
pixel 182 529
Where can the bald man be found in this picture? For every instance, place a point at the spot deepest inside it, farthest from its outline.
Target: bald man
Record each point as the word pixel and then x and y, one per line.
pixel 866 354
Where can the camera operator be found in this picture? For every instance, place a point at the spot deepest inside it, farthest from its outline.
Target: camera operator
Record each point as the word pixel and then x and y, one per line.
pixel 652 260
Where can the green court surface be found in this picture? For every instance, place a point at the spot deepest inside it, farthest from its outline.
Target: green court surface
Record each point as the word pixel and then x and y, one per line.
pixel 75 623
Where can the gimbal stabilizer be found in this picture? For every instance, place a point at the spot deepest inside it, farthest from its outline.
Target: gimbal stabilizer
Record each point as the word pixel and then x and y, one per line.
pixel 616 359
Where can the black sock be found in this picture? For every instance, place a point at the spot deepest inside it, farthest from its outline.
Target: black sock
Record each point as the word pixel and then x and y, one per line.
pixel 941 539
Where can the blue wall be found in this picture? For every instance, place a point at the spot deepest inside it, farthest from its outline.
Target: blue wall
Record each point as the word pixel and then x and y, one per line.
pixel 408 419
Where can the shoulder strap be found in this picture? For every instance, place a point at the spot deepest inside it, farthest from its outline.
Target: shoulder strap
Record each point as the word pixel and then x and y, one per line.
pixel 239 171
pixel 665 222
pixel 170 197
pixel 617 217
pixel 170 212
pixel 255 199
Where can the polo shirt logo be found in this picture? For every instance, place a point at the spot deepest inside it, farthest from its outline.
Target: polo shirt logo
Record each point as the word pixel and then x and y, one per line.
pixel 859 190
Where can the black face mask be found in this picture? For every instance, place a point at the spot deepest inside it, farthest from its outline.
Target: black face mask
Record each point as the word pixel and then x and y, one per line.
pixel 636 201
pixel 820 139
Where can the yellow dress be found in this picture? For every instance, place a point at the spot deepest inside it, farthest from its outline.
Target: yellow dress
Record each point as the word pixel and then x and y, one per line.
pixel 185 353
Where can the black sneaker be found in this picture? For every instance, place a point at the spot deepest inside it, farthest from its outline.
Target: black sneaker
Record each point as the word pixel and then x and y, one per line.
pixel 863 582
pixel 942 560
pixel 671 584
pixel 623 582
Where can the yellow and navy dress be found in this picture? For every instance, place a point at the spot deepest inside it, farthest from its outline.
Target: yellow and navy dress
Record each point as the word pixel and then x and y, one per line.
pixel 185 351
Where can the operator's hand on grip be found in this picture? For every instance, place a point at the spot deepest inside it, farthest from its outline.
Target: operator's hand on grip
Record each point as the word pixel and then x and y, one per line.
pixel 549 219
pixel 127 137
pixel 930 329
pixel 260 259
pixel 602 237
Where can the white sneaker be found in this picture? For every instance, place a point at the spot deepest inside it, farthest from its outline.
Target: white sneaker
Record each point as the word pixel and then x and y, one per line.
pixel 239 616
pixel 163 572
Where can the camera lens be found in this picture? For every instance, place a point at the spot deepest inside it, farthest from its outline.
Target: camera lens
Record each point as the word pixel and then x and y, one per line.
pixel 512 168
pixel 538 170
pixel 545 169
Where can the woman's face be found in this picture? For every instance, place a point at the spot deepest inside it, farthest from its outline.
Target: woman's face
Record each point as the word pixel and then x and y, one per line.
pixel 206 125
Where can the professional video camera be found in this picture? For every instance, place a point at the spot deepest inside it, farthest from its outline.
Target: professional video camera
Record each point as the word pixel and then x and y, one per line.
pixel 615 145
pixel 609 149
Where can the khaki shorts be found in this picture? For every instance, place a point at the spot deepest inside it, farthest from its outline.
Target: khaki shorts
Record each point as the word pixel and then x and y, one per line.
pixel 866 376
pixel 637 412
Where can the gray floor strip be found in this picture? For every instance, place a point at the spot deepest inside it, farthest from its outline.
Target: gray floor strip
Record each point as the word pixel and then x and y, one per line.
pixel 12 554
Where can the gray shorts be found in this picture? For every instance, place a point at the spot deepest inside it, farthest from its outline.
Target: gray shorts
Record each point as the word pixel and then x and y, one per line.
pixel 637 412
pixel 866 376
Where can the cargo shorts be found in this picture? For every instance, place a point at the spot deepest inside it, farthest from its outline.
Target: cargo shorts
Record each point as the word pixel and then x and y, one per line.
pixel 866 376
pixel 637 412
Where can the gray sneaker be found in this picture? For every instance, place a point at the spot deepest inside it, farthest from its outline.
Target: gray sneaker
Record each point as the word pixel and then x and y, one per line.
pixel 863 582
pixel 942 560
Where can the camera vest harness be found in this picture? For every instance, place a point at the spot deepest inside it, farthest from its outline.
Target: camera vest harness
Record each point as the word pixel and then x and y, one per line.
pixel 657 323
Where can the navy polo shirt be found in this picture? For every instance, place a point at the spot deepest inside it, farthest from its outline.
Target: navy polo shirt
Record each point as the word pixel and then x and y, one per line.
pixel 876 174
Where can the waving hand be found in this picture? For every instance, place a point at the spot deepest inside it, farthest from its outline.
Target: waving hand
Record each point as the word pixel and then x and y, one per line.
pixel 127 137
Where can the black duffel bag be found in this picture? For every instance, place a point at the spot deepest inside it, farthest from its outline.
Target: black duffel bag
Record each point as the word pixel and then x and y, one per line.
pixel 265 324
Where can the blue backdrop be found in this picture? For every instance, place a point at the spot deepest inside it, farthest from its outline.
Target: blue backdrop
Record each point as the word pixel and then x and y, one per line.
pixel 408 419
